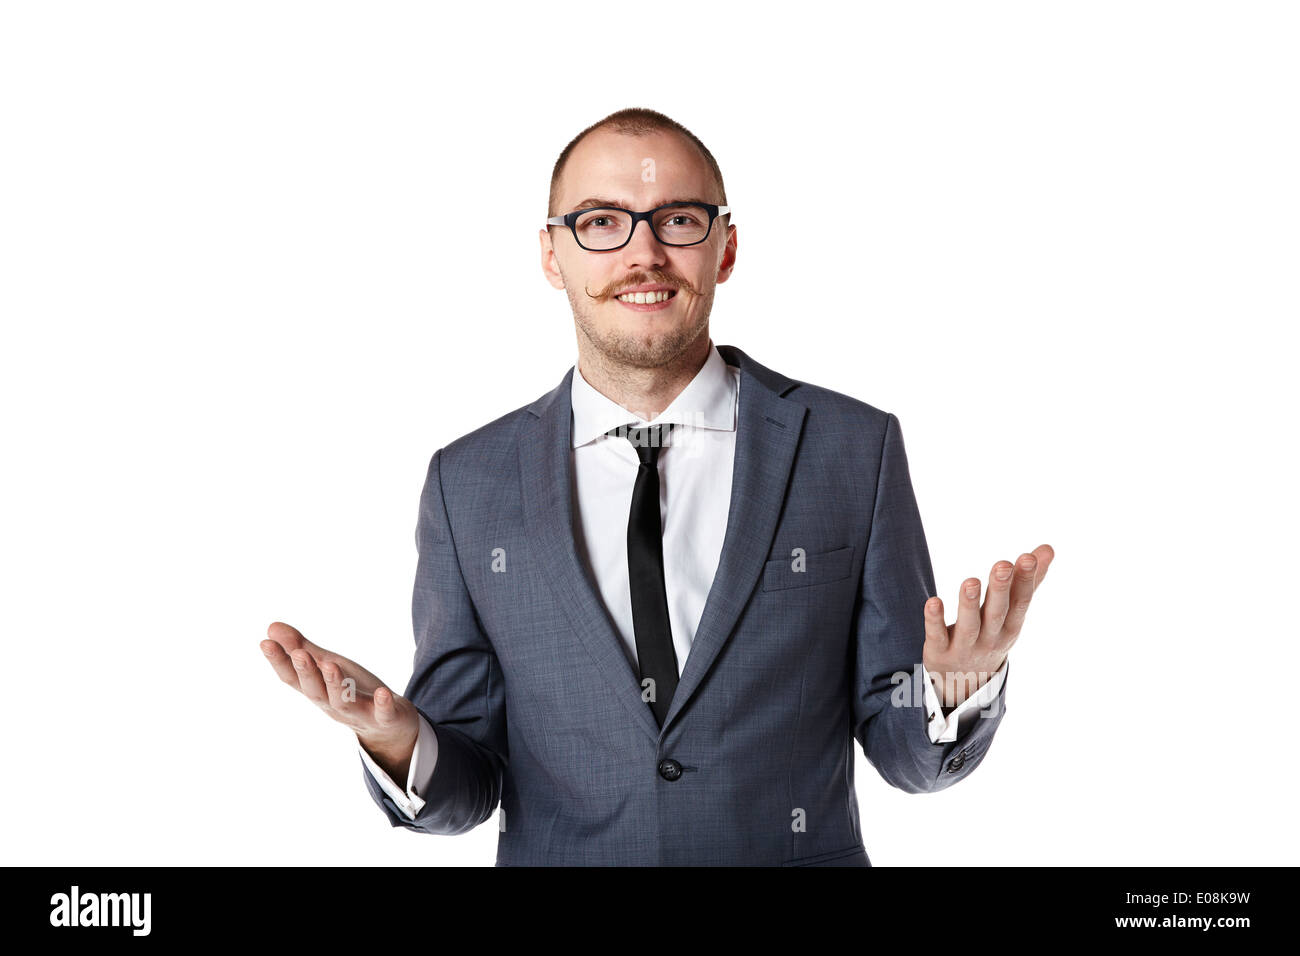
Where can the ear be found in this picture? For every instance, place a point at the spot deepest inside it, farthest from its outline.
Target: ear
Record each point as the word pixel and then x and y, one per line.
pixel 728 262
pixel 550 268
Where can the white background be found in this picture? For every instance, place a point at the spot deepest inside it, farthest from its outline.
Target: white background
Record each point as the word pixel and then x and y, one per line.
pixel 259 260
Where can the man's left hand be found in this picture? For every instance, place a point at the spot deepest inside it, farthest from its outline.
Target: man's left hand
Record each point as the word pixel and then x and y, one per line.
pixel 964 655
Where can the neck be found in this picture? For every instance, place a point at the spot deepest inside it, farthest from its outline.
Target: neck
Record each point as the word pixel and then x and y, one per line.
pixel 645 392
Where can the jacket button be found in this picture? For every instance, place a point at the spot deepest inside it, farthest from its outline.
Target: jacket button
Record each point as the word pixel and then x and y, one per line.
pixel 957 762
pixel 670 769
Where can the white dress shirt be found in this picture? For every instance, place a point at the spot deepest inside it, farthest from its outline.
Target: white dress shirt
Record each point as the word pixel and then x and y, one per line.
pixel 695 469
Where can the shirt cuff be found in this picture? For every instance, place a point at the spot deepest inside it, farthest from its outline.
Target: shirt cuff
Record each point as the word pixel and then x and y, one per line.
pixel 423 761
pixel 947 730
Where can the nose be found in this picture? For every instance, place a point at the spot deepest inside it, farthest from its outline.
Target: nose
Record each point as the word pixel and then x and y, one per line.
pixel 643 249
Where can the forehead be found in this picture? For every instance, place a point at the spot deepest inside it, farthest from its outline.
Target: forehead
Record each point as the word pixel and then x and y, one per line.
pixel 639 170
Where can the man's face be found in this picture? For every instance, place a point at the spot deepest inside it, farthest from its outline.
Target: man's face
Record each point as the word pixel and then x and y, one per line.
pixel 611 167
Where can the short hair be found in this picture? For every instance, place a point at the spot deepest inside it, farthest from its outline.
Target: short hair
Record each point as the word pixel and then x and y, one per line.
pixel 634 121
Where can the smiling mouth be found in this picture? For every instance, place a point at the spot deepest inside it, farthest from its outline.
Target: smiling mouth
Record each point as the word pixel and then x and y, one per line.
pixel 646 298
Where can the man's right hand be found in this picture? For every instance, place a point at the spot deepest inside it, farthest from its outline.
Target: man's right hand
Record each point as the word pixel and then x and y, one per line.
pixel 386 724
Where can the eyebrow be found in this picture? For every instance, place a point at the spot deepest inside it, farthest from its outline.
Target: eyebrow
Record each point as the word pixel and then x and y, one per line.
pixel 595 202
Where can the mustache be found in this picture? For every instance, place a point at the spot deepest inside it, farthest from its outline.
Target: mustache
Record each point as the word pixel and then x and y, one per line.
pixel 614 288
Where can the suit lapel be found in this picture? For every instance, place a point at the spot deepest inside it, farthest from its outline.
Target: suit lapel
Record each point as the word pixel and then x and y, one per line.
pixel 767 433
pixel 545 470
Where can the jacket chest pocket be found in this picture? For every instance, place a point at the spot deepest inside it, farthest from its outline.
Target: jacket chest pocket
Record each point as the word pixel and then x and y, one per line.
pixel 819 568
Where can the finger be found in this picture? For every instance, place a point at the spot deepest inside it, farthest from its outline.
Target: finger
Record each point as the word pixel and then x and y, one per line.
pixel 1022 589
pixel 309 679
pixel 997 599
pixel 967 629
pixel 281 663
pixel 333 677
pixel 385 711
pixel 1044 554
pixel 287 636
pixel 292 639
pixel 936 632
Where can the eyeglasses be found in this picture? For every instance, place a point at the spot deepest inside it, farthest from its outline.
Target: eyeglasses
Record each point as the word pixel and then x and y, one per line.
pixel 605 228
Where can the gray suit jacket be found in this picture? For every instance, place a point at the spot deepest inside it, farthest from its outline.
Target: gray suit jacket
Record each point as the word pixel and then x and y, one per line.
pixel 537 708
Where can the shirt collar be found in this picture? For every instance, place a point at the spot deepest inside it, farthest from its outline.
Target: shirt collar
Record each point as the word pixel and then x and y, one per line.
pixel 709 401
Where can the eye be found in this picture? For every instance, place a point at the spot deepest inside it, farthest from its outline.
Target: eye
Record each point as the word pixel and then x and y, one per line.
pixel 687 218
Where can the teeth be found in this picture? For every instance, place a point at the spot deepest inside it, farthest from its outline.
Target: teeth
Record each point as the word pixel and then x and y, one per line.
pixel 645 298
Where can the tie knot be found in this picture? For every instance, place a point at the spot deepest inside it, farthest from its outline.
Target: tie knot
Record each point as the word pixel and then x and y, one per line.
pixel 646 439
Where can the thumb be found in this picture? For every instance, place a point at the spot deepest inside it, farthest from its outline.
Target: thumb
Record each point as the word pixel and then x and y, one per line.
pixel 385 707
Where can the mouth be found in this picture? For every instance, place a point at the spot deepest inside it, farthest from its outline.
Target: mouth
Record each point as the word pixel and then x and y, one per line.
pixel 651 300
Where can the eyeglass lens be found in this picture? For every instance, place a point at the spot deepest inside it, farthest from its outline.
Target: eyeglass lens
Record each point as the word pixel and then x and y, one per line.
pixel 675 226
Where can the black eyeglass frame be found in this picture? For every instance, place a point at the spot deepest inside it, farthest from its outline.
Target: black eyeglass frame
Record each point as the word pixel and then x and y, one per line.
pixel 570 219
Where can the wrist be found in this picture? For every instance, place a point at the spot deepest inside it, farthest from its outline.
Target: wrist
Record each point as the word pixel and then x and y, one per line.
pixel 390 752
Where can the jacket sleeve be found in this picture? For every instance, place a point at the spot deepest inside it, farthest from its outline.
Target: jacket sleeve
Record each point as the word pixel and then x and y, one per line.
pixel 889 712
pixel 456 683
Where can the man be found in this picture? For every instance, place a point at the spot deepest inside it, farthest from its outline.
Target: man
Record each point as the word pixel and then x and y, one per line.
pixel 655 608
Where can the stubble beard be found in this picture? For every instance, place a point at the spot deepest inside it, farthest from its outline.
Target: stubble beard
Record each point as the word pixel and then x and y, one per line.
pixel 620 347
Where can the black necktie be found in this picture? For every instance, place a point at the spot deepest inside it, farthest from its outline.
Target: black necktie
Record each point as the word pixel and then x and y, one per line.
pixel 645 566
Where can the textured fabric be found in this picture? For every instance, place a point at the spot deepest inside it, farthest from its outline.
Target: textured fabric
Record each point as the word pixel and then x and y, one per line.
pixel 810 641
